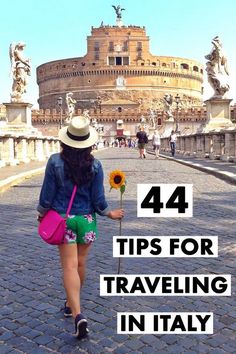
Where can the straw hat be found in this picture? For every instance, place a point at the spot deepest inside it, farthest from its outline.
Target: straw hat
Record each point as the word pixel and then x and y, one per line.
pixel 78 134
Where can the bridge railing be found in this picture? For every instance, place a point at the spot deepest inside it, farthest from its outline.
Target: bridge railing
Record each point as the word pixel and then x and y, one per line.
pixel 213 145
pixel 17 149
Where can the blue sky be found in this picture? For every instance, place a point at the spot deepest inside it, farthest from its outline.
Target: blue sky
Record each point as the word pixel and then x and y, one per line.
pixel 57 29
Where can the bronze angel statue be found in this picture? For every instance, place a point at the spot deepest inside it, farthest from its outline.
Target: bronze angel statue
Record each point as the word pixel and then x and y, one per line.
pixel 118 10
pixel 20 69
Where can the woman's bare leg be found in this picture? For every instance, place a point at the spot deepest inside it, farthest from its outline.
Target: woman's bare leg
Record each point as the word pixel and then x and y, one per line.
pixel 71 279
pixel 141 152
pixel 83 251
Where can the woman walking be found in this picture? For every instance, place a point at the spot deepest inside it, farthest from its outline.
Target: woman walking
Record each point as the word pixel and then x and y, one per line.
pixel 76 166
pixel 142 141
pixel 156 142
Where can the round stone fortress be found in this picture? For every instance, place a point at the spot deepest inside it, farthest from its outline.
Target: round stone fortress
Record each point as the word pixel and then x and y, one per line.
pixel 119 67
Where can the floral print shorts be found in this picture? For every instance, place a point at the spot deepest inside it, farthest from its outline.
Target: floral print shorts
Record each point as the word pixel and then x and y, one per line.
pixel 81 229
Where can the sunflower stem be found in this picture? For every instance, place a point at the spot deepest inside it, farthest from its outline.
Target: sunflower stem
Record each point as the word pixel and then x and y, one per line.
pixel 120 230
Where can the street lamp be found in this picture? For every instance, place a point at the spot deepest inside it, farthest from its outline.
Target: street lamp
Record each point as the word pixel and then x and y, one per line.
pixel 59 103
pixel 177 101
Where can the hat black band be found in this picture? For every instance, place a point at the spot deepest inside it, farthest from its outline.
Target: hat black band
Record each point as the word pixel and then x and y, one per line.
pixel 78 138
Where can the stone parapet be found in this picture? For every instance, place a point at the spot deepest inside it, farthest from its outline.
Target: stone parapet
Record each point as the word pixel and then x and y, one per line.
pixel 45 116
pixel 213 145
pixel 17 149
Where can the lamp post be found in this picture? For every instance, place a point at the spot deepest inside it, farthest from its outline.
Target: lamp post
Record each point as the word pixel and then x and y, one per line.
pixel 99 104
pixel 59 103
pixel 177 101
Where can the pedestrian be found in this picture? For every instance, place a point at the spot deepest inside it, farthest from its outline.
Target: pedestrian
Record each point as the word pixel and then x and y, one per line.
pixel 142 141
pixel 156 142
pixel 75 165
pixel 173 138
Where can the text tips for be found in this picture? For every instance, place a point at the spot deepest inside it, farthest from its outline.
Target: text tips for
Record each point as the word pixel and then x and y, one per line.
pixel 165 246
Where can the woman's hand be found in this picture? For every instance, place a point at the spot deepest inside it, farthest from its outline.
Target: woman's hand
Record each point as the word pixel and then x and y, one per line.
pixel 116 214
pixel 39 217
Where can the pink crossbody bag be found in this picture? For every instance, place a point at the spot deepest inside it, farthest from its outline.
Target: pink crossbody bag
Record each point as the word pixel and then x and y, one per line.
pixel 53 226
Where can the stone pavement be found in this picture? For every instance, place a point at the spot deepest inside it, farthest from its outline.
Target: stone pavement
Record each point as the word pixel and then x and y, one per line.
pixel 13 175
pixel 221 169
pixel 31 292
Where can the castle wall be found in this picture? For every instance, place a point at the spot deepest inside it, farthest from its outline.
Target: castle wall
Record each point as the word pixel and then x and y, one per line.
pixel 114 52
pixel 48 121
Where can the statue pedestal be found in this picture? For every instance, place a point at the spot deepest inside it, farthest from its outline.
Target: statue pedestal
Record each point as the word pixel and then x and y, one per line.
pixel 18 116
pixel 169 125
pixel 119 22
pixel 218 115
pixel 18 113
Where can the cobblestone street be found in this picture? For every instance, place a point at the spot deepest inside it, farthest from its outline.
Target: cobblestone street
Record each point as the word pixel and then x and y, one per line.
pixel 31 292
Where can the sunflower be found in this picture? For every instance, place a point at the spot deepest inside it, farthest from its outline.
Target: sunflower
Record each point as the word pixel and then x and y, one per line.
pixel 117 179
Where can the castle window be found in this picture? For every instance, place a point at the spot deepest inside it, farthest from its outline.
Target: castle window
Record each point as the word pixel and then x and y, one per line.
pixel 201 71
pixel 119 109
pixel 111 60
pixel 96 56
pixel 118 60
pixel 96 46
pixel 125 60
pixel 164 65
pixel 159 121
pixel 195 68
pixel 139 55
pixel 111 46
pixel 139 46
pixel 83 64
pixel 154 64
pixel 184 66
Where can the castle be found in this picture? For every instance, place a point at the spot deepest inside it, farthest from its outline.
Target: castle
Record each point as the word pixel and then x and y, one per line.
pixel 119 80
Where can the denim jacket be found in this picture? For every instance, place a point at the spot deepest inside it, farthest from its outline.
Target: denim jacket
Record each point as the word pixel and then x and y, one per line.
pixel 56 191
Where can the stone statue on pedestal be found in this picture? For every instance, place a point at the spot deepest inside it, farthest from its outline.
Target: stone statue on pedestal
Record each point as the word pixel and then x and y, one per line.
pixel 152 119
pixel 217 70
pixel 168 100
pixel 20 69
pixel 86 114
pixel 70 102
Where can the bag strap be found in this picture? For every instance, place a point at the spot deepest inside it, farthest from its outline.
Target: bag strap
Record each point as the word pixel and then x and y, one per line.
pixel 71 201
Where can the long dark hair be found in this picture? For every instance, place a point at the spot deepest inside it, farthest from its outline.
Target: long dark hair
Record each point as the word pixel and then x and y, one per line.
pixel 78 164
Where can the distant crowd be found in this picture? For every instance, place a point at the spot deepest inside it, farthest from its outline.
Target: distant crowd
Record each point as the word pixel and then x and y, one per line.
pixel 140 142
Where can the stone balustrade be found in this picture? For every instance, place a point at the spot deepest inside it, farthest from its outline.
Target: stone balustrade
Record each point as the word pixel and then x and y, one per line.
pixel 214 145
pixel 15 149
